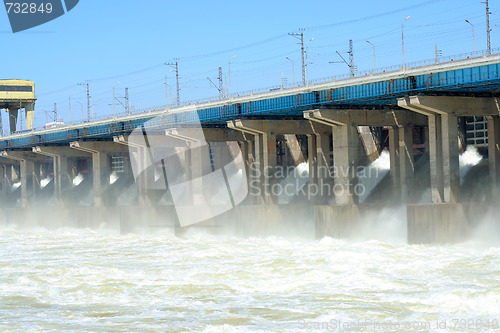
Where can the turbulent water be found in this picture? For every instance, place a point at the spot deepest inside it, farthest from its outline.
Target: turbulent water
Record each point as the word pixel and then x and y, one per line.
pixel 101 281
pixel 104 281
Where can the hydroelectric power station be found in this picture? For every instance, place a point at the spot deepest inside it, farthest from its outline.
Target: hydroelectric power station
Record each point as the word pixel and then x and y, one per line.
pixel 424 116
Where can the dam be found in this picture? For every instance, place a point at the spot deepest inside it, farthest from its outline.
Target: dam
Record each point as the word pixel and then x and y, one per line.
pixel 166 168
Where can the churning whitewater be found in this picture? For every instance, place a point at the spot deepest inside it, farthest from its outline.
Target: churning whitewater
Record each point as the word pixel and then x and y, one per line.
pixel 104 281
pixel 83 280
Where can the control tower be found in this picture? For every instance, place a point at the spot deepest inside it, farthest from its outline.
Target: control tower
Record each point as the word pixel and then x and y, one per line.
pixel 16 95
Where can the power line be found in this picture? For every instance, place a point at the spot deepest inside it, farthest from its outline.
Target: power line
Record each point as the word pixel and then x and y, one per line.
pixel 326 26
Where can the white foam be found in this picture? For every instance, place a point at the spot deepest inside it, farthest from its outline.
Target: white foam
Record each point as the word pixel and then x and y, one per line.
pixel 468 160
pixel 78 179
pixel 373 174
pixel 293 183
pixel 44 182
pixel 113 177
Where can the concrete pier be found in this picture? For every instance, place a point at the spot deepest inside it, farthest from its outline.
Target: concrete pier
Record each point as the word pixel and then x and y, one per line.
pixel 445 220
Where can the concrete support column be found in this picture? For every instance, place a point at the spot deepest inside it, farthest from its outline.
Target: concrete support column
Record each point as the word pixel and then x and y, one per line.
pixel 30 115
pixel 138 154
pixel 7 178
pixel 97 178
pixel 64 179
pixel 451 167
pixel 13 113
pixel 257 178
pixel 37 176
pixel 270 151
pixel 250 157
pixel 494 154
pixel 3 193
pixel 258 182
pixel 436 158
pixel 323 154
pixel 23 168
pixel 293 151
pixel 395 171
pixel 245 154
pixel 406 162
pixel 345 156
pixel 105 172
pixel 312 158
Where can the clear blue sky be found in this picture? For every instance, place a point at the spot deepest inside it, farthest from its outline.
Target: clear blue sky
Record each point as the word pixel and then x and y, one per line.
pixel 129 42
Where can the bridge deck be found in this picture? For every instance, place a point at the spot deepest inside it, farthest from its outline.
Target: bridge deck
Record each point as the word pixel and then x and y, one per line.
pixel 472 77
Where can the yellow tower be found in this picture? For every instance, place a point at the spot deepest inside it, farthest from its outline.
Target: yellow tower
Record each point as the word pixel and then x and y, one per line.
pixel 15 95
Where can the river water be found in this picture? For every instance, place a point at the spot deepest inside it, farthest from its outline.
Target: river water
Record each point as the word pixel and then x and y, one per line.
pixel 102 281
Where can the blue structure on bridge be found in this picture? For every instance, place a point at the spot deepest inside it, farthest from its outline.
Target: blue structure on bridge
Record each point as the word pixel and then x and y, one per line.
pixel 470 77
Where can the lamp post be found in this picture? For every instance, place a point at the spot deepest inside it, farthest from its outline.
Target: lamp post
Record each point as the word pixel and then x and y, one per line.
pixel 293 71
pixel 374 59
pixel 403 42
pixel 229 74
pixel 473 38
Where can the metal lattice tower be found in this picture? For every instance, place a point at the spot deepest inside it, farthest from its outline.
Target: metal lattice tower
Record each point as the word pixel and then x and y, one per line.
pixel 177 79
pixel 176 67
pixel 88 97
pixel 351 57
pixel 127 105
pixel 488 30
pixel 302 52
pixel 221 84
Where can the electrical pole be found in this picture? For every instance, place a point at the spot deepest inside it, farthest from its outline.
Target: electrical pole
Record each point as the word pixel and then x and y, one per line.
pixel 88 98
pixel 488 44
pixel 177 78
pixel 176 67
pixel 127 105
pixel 351 57
pixel 221 84
pixel 301 38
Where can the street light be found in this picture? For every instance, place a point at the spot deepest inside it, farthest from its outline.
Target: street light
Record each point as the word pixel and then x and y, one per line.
pixel 403 42
pixel 307 62
pixel 473 37
pixel 374 60
pixel 293 71
pixel 114 109
pixel 229 74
